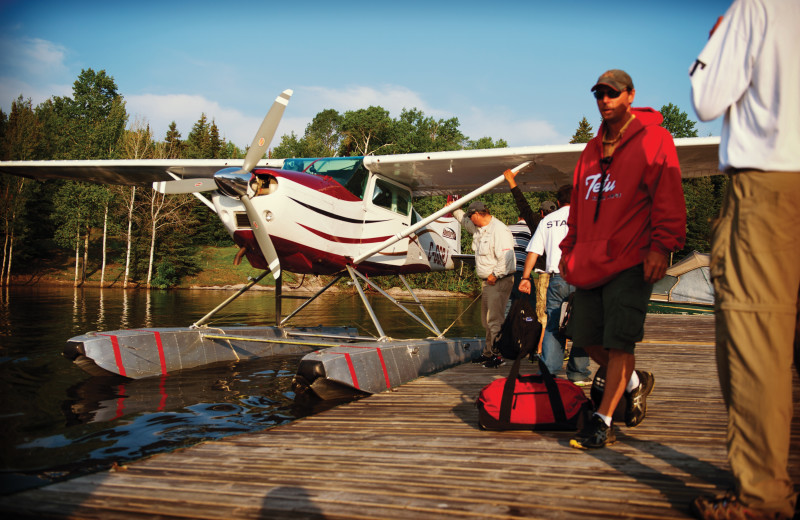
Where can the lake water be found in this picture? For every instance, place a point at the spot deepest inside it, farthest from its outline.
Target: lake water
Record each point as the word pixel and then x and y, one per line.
pixel 56 421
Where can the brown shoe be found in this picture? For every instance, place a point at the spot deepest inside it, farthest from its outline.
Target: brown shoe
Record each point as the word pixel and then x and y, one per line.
pixel 728 507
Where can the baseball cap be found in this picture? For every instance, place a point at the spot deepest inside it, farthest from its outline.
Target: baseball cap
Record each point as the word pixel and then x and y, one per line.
pixel 474 207
pixel 548 206
pixel 616 79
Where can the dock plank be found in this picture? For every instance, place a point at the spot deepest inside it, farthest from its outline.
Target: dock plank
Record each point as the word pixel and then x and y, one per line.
pixel 417 452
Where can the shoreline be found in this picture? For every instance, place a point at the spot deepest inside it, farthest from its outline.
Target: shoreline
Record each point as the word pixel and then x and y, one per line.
pixel 307 288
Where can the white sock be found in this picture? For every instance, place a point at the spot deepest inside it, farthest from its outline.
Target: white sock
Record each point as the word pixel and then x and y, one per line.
pixel 633 383
pixel 606 419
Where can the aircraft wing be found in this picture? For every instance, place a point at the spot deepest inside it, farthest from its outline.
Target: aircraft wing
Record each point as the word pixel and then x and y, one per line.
pixel 125 171
pixel 439 173
pixel 433 173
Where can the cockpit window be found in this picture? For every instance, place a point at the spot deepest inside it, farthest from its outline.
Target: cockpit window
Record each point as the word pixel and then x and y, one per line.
pixel 391 196
pixel 347 171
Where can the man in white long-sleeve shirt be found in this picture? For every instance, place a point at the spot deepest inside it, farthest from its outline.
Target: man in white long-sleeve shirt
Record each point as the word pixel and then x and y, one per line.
pixel 750 74
pixel 495 265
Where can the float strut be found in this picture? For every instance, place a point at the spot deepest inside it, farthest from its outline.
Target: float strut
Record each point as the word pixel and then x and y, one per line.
pixel 202 321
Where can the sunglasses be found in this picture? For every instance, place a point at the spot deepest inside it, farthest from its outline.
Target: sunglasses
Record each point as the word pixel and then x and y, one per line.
pixel 611 94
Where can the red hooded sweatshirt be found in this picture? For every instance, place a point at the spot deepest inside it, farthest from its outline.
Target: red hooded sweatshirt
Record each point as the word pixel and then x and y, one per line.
pixel 642 207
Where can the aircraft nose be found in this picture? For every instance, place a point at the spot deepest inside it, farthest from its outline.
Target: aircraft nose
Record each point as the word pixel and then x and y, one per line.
pixel 232 181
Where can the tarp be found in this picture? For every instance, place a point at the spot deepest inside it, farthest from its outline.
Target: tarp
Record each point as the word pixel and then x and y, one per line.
pixel 688 281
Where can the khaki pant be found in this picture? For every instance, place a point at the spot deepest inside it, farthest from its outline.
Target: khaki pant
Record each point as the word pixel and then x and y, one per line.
pixel 493 309
pixel 542 282
pixel 755 265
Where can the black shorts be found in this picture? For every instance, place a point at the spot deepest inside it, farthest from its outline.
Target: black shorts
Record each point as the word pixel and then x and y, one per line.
pixel 613 314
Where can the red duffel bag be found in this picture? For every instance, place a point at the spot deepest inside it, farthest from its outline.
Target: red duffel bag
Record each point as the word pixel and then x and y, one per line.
pixel 532 402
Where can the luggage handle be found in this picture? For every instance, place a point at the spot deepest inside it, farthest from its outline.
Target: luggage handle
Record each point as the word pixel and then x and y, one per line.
pixel 557 405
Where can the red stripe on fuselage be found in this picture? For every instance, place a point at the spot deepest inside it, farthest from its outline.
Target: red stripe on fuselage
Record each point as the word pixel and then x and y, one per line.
pixel 117 353
pixel 344 240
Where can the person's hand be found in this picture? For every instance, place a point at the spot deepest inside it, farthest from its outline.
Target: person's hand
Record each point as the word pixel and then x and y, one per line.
pixel 525 286
pixel 655 266
pixel 562 265
pixel 509 175
pixel 491 279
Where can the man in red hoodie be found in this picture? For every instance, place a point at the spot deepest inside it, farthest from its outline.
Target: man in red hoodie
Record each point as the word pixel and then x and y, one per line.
pixel 628 213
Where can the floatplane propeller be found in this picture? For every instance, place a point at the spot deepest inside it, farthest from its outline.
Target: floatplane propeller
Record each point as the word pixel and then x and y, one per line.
pixel 238 182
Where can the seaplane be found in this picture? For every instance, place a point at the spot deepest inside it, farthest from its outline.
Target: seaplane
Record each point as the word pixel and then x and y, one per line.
pixel 341 216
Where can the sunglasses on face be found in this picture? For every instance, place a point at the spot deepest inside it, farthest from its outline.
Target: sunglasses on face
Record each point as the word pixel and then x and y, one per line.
pixel 611 94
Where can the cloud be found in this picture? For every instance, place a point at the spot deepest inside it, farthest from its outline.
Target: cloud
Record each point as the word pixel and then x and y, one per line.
pixel 391 97
pixel 502 123
pixel 160 110
pixel 33 68
pixel 32 57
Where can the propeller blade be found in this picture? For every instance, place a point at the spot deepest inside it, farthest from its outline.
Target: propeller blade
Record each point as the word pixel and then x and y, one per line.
pixel 262 237
pixel 266 131
pixel 185 186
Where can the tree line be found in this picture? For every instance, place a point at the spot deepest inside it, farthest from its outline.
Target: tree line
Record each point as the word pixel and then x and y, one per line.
pixel 157 237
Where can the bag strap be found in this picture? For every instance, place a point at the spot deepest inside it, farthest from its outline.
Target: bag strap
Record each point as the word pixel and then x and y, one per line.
pixel 550 385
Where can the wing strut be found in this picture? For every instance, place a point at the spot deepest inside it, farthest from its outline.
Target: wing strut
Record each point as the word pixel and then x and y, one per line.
pixel 445 210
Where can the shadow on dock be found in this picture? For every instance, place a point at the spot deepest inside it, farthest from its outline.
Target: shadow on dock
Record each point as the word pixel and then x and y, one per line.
pixel 417 452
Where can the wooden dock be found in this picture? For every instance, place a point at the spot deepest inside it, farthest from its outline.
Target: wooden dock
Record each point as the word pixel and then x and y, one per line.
pixel 417 453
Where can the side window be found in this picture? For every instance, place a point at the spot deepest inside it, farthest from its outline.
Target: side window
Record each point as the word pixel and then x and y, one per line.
pixel 392 197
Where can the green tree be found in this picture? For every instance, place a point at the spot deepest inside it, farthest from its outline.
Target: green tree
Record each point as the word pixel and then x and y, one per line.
pixel 584 132
pixel 96 116
pixel 198 142
pixel 173 146
pixel 484 143
pixel 677 122
pixel 293 146
pixel 323 134
pixel 414 132
pixel 365 131
pixel 75 213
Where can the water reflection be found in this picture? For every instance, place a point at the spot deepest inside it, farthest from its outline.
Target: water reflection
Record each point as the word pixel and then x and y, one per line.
pixel 56 421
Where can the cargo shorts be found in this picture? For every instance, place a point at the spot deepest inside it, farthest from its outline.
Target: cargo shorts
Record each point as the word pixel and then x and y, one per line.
pixel 613 314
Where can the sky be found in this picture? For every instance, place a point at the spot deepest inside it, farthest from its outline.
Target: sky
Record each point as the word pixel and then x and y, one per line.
pixel 514 70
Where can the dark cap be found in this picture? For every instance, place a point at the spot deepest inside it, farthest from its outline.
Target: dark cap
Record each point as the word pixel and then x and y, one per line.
pixel 548 206
pixel 474 207
pixel 616 79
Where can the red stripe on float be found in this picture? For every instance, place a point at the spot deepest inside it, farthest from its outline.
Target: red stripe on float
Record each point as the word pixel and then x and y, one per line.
pixel 383 366
pixel 350 364
pixel 160 347
pixel 117 353
pixel 352 370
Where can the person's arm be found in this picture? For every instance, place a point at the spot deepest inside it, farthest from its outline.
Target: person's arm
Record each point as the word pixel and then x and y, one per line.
pixel 662 180
pixel 525 282
pixel 531 219
pixel 721 73
pixel 462 219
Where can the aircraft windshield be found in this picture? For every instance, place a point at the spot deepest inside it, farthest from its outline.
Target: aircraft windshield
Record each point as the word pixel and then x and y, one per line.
pixel 347 171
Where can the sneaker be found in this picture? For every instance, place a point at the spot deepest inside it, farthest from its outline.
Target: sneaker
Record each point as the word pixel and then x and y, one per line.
pixel 637 399
pixel 596 435
pixel 494 362
pixel 582 382
pixel 725 507
pixel 482 359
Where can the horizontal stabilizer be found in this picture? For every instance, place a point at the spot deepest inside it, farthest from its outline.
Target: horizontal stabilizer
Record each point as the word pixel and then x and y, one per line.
pixel 185 186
